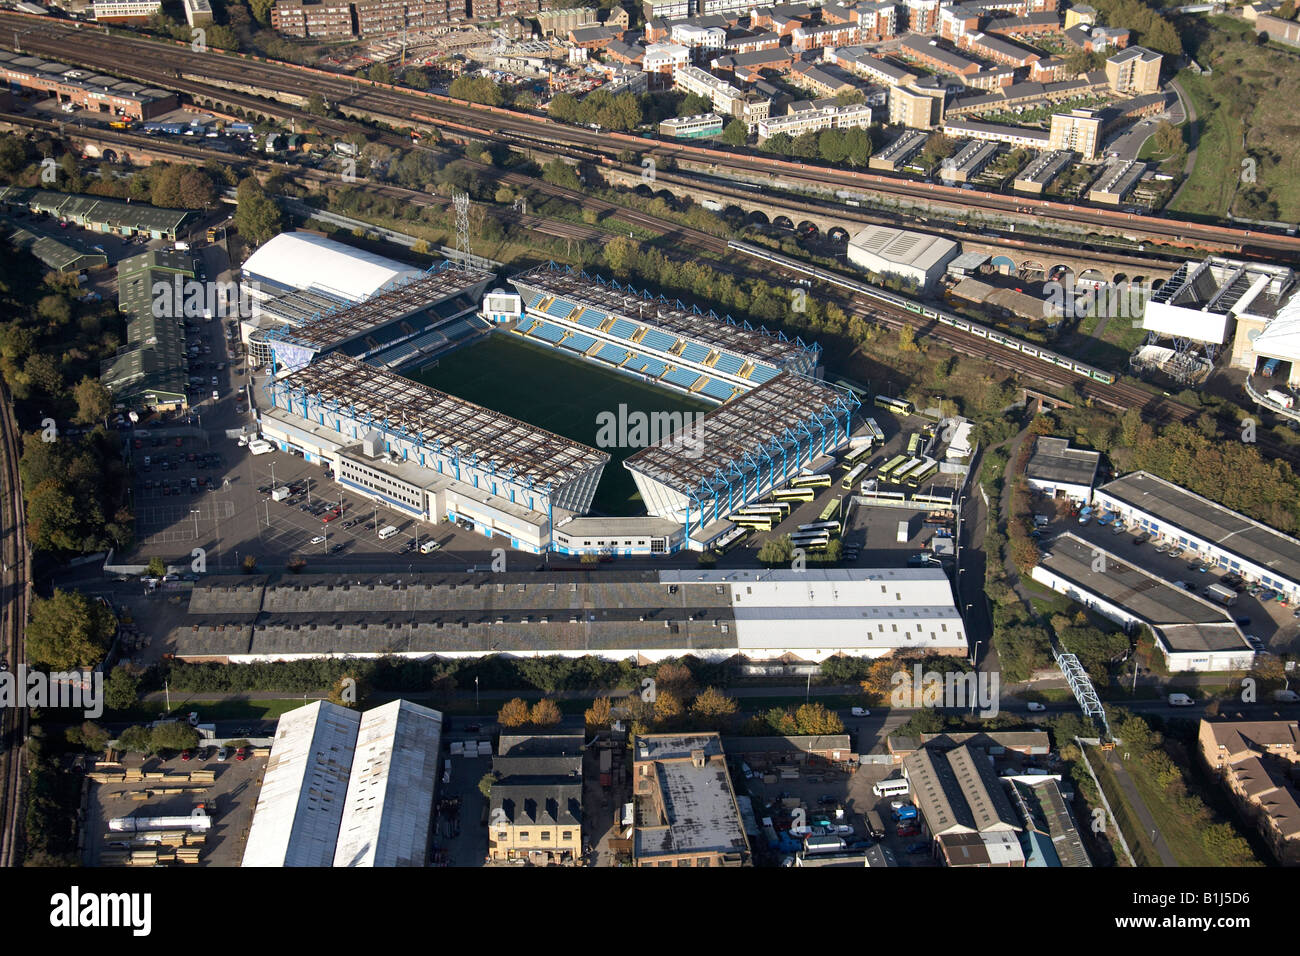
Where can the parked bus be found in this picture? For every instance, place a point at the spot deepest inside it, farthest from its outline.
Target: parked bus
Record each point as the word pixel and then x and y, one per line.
pixel 855 474
pixel 811 481
pixel 888 468
pixel 815 544
pixel 895 786
pixel 923 474
pixel 874 428
pixel 902 471
pixel 831 510
pixel 803 538
pixel 783 507
pixel 731 539
pixel 818 527
pixel 896 405
pixel 933 498
pixel 914 443
pixel 794 494
pixel 856 455
pixel 773 511
pixel 754 522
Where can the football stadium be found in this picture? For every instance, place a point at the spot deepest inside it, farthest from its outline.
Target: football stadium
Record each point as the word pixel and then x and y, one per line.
pixel 350 358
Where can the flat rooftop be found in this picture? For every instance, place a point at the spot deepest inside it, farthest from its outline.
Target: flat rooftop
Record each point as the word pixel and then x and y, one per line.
pixel 1186 623
pixel 1229 530
pixel 1054 460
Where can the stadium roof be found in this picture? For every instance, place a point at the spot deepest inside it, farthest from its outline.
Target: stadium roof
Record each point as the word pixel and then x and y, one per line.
pixel 1229 530
pixel 389 805
pixel 671 315
pixel 300 806
pixel 784 412
pixel 304 260
pixel 443 421
pixel 398 298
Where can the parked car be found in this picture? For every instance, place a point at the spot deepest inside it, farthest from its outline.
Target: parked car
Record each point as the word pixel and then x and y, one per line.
pixel 241 753
pixel 318 539
pixel 1035 707
pixel 860 711
pixel 222 754
pixel 187 755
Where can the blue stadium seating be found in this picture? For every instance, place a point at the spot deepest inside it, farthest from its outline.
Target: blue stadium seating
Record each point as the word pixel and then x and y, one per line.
pixel 611 353
pixel 535 298
pixel 762 373
pixel 560 309
pixel 548 333
pixel 694 353
pixel 434 338
pixel 658 341
pixel 681 377
pixel 728 363
pixel 622 328
pixel 579 343
pixel 653 367
pixel 592 319
pixel 395 354
pixel 715 389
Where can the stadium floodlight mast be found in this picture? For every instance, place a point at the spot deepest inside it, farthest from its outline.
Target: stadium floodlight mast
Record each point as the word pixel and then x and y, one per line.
pixel 461 201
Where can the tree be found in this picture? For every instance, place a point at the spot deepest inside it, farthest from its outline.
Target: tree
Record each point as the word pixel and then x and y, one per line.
pixel 250 563
pixel 711 702
pixel 735 133
pixel 121 690
pixel 599 714
pixel 89 735
pixel 349 691
pixel 316 105
pixel 68 630
pixel 675 677
pixel 173 735
pixel 667 707
pixel 776 551
pixel 257 217
pixel 157 567
pixel 513 713
pixel 379 73
pixel 814 718
pixel 546 713
pixel 135 739
pixel 485 783
pixel 94 402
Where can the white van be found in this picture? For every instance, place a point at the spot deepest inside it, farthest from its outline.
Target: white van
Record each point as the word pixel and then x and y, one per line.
pixel 429 547
pixel 1180 700
pixel 387 532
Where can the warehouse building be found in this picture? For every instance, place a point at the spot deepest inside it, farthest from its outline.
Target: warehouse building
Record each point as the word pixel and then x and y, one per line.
pixel 1056 469
pixel 87 91
pixel 1192 633
pixel 344 788
pixel 685 810
pixel 777 615
pixel 97 214
pixel 1218 535
pixel 299 809
pixel 965 808
pixel 915 257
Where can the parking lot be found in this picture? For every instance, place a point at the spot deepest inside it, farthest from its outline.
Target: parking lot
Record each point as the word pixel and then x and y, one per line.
pixel 230 801
pixel 1274 623
pixel 821 794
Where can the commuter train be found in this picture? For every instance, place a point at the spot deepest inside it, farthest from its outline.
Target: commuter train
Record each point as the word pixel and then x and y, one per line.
pixel 944 318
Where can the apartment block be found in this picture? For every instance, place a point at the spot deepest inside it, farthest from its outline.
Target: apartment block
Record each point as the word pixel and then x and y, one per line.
pixel 916 107
pixel 1258 761
pixel 312 20
pixel 1134 70
pixel 1078 130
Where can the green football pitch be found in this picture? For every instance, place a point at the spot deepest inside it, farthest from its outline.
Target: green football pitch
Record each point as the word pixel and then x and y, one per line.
pixel 561 394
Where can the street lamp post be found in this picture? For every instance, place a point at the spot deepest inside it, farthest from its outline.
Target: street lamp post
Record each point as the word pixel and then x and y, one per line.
pixel 195 512
pixel 974 656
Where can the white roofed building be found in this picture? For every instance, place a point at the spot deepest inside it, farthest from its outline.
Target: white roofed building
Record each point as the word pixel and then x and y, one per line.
pixel 389 805
pixel 913 256
pixel 304 260
pixel 296 822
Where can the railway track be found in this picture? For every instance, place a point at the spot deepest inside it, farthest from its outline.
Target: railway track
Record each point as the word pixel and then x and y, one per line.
pixel 175 66
pixel 14 584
